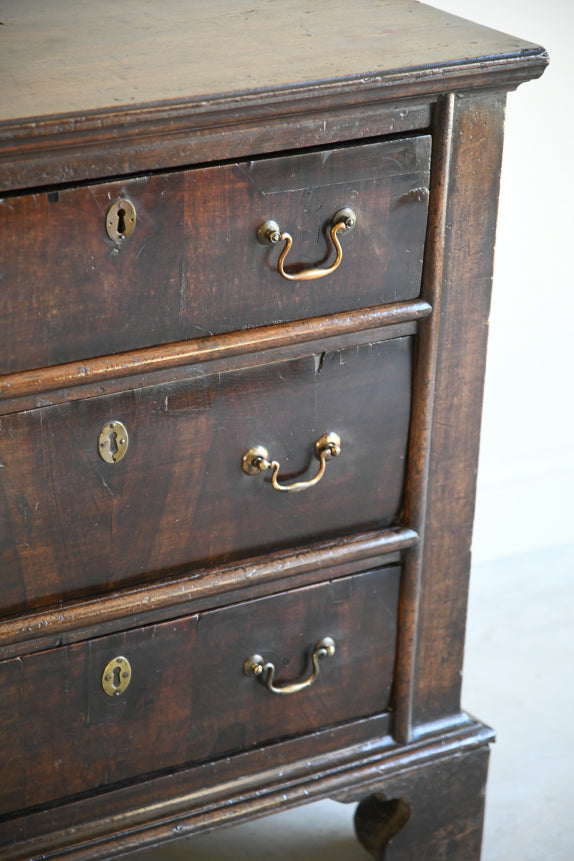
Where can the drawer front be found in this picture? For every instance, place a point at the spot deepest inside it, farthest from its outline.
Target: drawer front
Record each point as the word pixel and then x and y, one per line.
pixel 193 265
pixel 72 524
pixel 188 698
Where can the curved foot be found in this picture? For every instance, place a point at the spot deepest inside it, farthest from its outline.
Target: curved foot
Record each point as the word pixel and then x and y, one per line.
pixel 442 818
pixel 377 820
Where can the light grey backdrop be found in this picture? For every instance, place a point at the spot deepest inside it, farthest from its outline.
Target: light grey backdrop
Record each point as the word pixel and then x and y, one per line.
pixel 526 467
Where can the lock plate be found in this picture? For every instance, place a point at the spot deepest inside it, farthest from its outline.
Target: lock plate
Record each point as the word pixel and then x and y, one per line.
pixel 113 441
pixel 116 676
pixel 120 220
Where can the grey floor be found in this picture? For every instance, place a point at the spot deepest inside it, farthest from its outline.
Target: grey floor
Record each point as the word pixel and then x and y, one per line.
pixel 519 675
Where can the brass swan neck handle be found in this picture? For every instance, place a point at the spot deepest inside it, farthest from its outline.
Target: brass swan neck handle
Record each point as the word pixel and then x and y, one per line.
pixel 256 460
pixel 256 666
pixel 269 233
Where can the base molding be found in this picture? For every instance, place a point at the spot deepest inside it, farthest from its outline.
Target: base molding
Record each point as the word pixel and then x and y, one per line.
pixel 355 762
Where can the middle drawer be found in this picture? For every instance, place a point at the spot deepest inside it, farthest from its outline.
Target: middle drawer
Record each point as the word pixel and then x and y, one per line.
pixel 73 524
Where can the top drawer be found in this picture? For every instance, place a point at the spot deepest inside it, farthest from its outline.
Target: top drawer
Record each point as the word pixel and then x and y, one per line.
pixel 193 266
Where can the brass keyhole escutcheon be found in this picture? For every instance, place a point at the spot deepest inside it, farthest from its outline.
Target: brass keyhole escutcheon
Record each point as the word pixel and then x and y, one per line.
pixel 117 676
pixel 113 442
pixel 120 220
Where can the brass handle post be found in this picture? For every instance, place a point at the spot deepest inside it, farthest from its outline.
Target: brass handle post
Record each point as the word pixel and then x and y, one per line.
pixel 270 233
pixel 256 666
pixel 256 460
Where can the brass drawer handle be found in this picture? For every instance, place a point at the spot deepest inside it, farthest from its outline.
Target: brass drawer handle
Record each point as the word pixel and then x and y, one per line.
pixel 269 233
pixel 256 460
pixel 255 666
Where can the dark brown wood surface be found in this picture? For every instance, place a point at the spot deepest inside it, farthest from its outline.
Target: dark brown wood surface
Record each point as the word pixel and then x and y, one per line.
pixel 117 56
pixel 434 814
pixel 189 698
pixel 200 590
pixel 193 266
pixel 449 379
pixel 474 183
pixel 139 369
pixel 193 83
pixel 151 556
pixel 346 762
pixel 73 525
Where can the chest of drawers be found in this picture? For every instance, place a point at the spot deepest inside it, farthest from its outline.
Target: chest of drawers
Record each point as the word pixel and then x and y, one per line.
pixel 246 256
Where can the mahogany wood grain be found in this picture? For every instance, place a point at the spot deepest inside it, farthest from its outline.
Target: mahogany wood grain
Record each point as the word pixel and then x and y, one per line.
pixel 420 443
pixel 72 525
pixel 193 266
pixel 51 154
pixel 213 118
pixel 435 615
pixel 188 698
pixel 227 80
pixel 200 590
pixel 191 52
pixel 141 369
pixel 436 815
pixel 345 762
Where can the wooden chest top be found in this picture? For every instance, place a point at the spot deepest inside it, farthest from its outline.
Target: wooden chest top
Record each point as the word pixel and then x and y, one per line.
pixel 92 89
pixel 108 54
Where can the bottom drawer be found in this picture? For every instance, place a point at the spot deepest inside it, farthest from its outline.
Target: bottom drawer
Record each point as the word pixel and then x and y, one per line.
pixel 188 697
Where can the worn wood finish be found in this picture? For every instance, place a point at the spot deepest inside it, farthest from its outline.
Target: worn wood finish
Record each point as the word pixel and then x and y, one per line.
pixel 438 814
pixel 345 762
pixel 186 332
pixel 193 266
pixel 420 444
pixel 179 802
pixel 199 590
pixel 186 443
pixel 227 47
pixel 449 376
pixel 153 365
pixel 175 136
pixel 227 80
pixel 185 674
pixel 472 173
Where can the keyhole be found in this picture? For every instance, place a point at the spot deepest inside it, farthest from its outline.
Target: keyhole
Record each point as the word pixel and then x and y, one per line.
pixel 120 220
pixel 117 676
pixel 113 444
pixel 121 228
pixel 116 681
